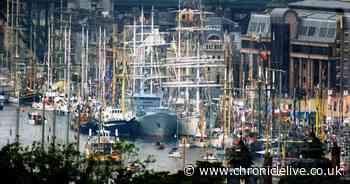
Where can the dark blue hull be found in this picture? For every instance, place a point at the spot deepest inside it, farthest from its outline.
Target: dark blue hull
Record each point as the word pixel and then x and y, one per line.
pixel 85 128
pixel 126 129
pixel 29 99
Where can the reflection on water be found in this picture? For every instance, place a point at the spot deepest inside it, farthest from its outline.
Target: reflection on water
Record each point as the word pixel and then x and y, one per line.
pixel 29 133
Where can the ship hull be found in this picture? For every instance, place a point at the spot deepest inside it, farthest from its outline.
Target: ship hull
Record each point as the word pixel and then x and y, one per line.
pixel 158 125
pixel 188 126
pixel 86 127
pixel 126 129
pixel 29 99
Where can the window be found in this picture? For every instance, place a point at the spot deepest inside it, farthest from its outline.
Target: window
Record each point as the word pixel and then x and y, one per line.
pixel 261 27
pixel 323 32
pixel 252 27
pixel 303 30
pixel 312 31
pixel 331 32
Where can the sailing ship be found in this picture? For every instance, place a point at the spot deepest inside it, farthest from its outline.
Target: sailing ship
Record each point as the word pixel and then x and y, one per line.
pixel 190 62
pixel 107 116
pixel 147 97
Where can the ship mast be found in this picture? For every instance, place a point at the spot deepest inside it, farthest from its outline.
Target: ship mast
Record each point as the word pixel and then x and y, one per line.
pixel 198 80
pixel 178 55
pixel 99 66
pixel 68 60
pixel 134 55
pixel 87 61
pixel 152 36
pixel 114 63
pixel 122 101
pixel 142 54
pixel 82 68
pixel 104 66
pixel 227 88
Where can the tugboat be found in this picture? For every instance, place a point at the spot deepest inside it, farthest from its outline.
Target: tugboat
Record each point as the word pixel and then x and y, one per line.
pixel 115 119
pixel 100 147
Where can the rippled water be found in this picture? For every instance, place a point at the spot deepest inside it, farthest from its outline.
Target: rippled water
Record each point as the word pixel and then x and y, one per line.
pixel 29 133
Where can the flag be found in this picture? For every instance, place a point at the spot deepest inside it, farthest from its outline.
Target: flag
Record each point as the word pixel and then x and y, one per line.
pixel 264 56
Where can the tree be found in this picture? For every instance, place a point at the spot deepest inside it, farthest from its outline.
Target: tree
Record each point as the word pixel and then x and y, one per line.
pixel 36 165
pixel 312 148
pixel 313 157
pixel 126 149
pixel 239 156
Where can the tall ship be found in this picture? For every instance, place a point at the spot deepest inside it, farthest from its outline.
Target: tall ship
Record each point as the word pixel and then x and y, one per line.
pixel 196 61
pixel 147 94
pixel 110 116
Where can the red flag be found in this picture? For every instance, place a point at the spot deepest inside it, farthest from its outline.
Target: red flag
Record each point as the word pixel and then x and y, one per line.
pixel 263 56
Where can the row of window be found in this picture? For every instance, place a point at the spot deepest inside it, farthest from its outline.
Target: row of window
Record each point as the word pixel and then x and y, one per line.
pixel 295 48
pixel 257 27
pixel 214 46
pixel 213 27
pixel 312 50
pixel 324 32
pixel 255 45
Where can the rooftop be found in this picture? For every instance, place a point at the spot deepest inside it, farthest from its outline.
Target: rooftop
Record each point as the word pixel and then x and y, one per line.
pixel 328 5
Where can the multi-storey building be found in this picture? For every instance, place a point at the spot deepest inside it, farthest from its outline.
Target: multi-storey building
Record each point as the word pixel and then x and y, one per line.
pixel 307 42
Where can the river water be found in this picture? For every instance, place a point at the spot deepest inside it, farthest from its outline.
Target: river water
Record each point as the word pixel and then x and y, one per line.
pixel 30 133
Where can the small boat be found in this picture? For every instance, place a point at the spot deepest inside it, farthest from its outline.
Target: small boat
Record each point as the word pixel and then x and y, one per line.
pixel 175 153
pixel 150 159
pixel 160 145
pixel 209 157
pixel 34 118
pixel 100 147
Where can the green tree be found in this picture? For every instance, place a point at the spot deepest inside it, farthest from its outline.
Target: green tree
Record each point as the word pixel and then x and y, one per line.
pixel 312 148
pixel 239 156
